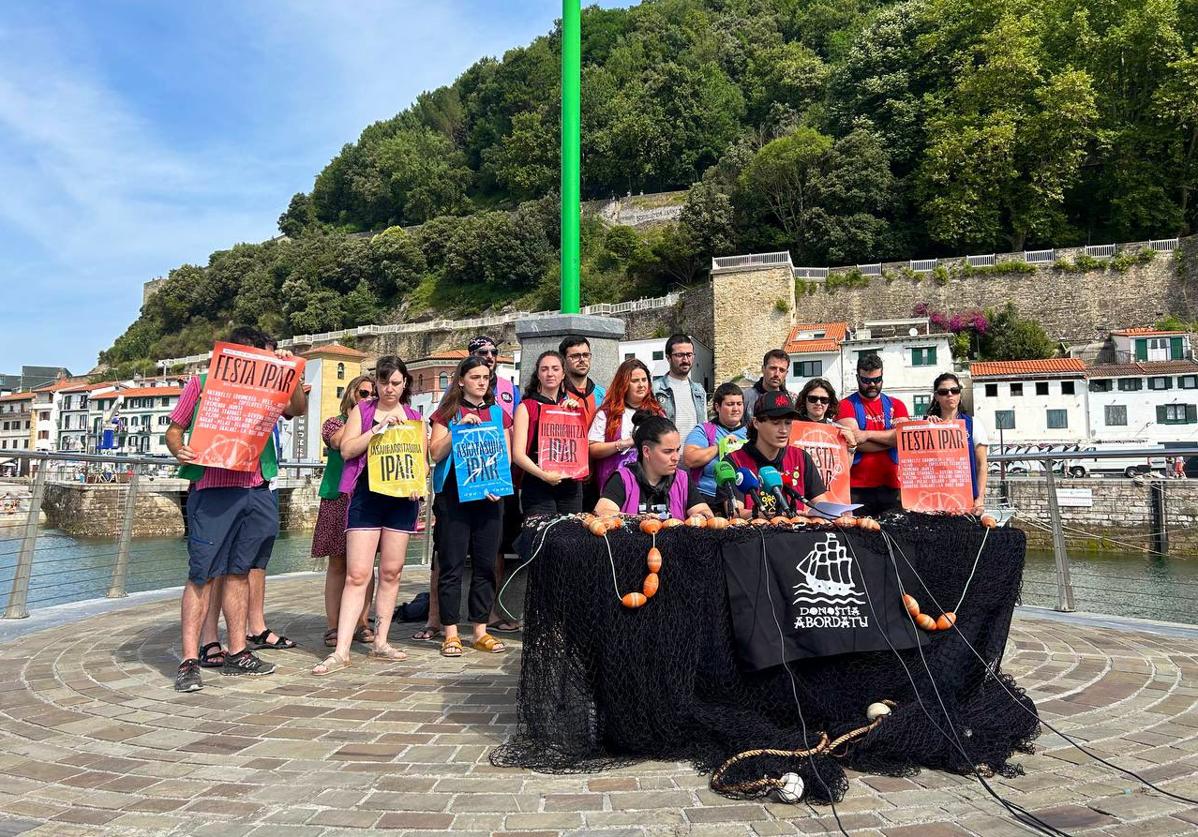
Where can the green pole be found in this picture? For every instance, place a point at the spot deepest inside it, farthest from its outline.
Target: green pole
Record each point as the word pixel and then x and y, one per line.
pixel 571 150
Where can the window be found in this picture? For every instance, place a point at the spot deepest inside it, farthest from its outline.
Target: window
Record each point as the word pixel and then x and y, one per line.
pixel 1187 382
pixel 163 421
pixel 5 425
pixel 1116 415
pixel 162 440
pixel 1131 384
pixel 992 390
pixel 1101 385
pixel 1067 387
pixel 1004 419
pixel 659 355
pixel 443 380
pixel 340 371
pixel 924 356
pixel 43 416
pixel 1058 419
pixel 808 368
pixel 1041 387
pixel 166 402
pixel 340 391
pixel 1160 383
pixel 921 402
pixel 1177 414
pixel 43 434
pixel 3 444
pixel 1016 389
pixel 629 355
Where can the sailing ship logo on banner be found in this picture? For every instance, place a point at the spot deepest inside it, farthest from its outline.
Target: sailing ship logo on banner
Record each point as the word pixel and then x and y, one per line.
pixel 827 576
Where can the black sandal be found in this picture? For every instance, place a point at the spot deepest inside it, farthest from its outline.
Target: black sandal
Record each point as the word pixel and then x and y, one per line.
pixel 212 659
pixel 259 642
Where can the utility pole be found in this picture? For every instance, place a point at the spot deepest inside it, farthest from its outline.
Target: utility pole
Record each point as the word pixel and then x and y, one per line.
pixel 571 150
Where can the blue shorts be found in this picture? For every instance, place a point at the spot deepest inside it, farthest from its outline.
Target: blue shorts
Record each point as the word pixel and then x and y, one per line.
pixel 230 531
pixel 368 510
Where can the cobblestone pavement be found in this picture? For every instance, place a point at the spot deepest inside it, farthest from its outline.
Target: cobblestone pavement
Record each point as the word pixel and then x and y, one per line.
pixel 93 739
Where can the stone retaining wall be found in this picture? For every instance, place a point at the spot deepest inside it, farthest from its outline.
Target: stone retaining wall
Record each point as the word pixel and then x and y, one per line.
pixel 1122 511
pixel 98 511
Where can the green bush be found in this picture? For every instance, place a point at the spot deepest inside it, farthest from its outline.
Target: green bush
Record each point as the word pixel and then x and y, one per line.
pixel 941 274
pixel 1085 262
pixel 1064 266
pixel 781 306
pixel 853 278
pixel 1125 260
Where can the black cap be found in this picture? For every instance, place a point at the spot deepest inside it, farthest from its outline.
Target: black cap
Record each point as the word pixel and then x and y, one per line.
pixel 775 405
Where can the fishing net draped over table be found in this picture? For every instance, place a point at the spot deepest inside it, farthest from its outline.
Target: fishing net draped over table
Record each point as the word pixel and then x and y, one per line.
pixel 603 685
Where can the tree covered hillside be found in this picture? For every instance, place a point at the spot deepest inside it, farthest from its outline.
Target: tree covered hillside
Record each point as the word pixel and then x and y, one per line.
pixel 842 130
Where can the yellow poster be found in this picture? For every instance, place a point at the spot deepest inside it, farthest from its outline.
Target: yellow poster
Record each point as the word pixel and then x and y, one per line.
pixel 396 462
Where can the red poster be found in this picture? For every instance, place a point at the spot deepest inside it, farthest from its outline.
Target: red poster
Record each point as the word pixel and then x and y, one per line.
pixel 244 394
pixel 562 442
pixel 830 453
pixel 933 467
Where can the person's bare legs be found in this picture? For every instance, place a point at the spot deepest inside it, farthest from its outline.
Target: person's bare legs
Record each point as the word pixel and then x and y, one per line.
pixel 256 619
pixel 210 627
pixel 235 603
pixel 192 615
pixel 359 570
pixel 334 583
pixel 391 559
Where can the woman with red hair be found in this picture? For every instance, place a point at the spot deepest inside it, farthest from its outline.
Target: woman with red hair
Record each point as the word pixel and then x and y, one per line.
pixel 610 437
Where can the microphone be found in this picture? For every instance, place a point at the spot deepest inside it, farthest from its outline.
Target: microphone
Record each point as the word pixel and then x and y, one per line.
pixel 771 480
pixel 749 485
pixel 788 485
pixel 725 479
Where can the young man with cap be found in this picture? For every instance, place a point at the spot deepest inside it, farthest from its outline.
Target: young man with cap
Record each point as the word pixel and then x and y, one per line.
pixel 684 400
pixel 507 394
pixel 774 367
pixel 769 444
pixel 871 415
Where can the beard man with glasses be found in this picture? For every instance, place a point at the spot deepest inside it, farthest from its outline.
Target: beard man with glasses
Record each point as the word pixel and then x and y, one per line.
pixel 871 415
pixel 684 400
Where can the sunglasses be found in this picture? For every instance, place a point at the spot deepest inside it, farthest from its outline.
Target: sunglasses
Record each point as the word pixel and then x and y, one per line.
pixel 365 393
pixel 949 391
pixel 869 381
pixel 488 352
pixel 818 399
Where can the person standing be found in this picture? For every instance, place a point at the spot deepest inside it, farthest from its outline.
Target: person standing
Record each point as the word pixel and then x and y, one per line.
pixel 610 437
pixel 684 400
pixel 377 522
pixel 871 415
pixel 543 492
pixel 817 402
pixel 712 440
pixel 328 539
pixel 507 394
pixel 577 352
pixel 774 367
pixel 232 521
pixel 946 406
pixel 466 528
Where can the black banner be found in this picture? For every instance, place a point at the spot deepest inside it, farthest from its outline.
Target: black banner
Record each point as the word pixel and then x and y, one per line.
pixel 797 595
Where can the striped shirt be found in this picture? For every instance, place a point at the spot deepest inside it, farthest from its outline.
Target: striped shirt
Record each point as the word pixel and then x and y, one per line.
pixel 213 477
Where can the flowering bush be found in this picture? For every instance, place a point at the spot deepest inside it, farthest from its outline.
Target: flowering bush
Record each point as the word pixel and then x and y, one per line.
pixel 965 325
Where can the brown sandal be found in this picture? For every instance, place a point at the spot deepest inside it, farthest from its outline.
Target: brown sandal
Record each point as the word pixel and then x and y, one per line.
pixel 451 647
pixel 489 644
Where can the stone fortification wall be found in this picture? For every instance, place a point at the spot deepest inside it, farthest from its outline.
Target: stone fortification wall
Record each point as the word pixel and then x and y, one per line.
pixel 1122 511
pixel 751 314
pixel 1070 305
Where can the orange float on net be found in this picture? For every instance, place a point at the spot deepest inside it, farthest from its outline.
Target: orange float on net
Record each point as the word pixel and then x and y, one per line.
pixel 651 584
pixel 671 523
pixel 696 520
pixel 718 523
pixel 989 521
pixel 614 522
pixel 779 520
pixel 597 527
pixel 653 559
pixel 651 526
pixel 738 521
pixel 911 604
pixel 925 622
pixel 633 600
pixel 846 522
pixel 946 621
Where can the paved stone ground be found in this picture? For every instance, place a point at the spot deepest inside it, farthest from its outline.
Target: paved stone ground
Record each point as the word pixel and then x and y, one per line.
pixel 93 739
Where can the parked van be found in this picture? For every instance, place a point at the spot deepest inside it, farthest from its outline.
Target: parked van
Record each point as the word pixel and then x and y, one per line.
pixel 1128 466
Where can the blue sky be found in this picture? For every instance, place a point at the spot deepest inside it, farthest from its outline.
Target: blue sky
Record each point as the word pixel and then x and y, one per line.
pixel 136 136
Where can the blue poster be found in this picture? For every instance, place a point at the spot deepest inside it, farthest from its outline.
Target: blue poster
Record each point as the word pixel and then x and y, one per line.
pixel 480 461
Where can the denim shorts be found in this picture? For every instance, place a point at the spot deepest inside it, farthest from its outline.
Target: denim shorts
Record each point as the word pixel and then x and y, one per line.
pixel 368 510
pixel 229 531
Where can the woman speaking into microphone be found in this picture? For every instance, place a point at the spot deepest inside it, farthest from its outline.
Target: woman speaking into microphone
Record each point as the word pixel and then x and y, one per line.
pixel 769 446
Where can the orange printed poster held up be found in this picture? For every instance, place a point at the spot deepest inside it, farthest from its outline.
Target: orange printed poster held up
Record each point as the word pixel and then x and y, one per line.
pixel 562 442
pixel 933 467
pixel 830 454
pixel 245 392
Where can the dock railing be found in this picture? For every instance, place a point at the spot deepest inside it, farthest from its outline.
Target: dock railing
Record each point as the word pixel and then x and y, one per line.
pixel 43 572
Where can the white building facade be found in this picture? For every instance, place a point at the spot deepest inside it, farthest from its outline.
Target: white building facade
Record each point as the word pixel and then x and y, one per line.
pixel 1033 401
pixel 1147 402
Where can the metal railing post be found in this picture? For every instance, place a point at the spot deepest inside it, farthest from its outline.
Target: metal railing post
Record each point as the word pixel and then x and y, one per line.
pixel 120 570
pixel 1064 585
pixel 20 581
pixel 1159 516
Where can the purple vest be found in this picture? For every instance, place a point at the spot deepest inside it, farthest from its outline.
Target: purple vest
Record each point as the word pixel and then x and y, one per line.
pixel 353 467
pixel 632 493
